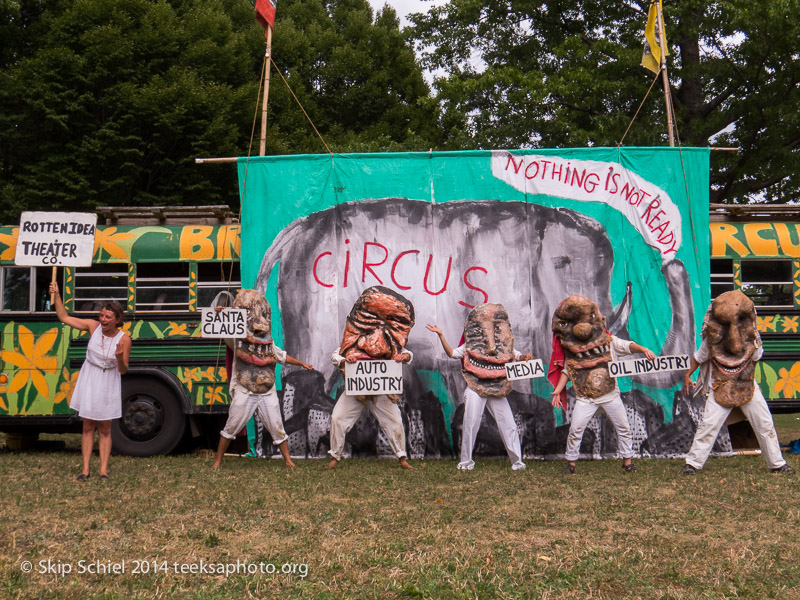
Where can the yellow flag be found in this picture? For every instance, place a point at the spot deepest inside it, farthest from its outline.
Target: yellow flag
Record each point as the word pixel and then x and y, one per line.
pixel 651 58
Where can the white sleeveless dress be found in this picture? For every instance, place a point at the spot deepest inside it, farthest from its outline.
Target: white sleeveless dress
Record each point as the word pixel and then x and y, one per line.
pixel 98 391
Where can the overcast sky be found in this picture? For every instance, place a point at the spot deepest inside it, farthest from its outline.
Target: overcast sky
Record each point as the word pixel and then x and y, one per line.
pixel 404 7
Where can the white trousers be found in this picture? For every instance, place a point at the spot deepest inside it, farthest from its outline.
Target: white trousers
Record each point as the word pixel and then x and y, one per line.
pixel 714 416
pixel 245 404
pixel 499 408
pixel 583 413
pixel 347 411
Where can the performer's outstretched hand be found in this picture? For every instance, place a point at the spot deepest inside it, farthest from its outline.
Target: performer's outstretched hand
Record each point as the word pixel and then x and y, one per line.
pixel 687 383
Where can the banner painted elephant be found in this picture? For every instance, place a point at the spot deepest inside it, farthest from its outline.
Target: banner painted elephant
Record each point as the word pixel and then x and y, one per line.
pixel 446 258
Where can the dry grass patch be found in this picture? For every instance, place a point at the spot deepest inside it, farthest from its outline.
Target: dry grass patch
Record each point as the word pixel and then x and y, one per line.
pixel 371 530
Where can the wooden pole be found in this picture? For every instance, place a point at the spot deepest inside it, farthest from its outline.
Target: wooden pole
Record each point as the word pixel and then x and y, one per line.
pixel 224 159
pixel 52 295
pixel 263 146
pixel 662 42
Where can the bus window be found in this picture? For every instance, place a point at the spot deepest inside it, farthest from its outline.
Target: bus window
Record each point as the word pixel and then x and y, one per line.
pixel 162 287
pixel 16 288
pixel 721 276
pixel 41 290
pixel 100 283
pixel 18 293
pixel 215 277
pixel 768 283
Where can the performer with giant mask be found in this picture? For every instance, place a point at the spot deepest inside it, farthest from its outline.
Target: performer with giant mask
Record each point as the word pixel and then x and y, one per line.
pixel 252 380
pixel 582 349
pixel 488 346
pixel 727 356
pixel 377 329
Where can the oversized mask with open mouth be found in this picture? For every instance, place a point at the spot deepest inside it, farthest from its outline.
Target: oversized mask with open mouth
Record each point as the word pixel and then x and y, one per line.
pixel 255 365
pixel 581 329
pixel 732 340
pixel 489 346
pixel 378 325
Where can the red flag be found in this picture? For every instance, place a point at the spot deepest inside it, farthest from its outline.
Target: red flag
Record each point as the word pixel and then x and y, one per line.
pixel 265 13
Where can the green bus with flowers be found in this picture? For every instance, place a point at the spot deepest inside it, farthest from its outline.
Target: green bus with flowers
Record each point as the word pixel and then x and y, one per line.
pixel 164 265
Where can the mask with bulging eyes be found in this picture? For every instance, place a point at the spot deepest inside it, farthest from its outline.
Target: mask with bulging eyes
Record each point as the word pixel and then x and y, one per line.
pixel 581 329
pixel 732 340
pixel 255 365
pixel 489 345
pixel 378 325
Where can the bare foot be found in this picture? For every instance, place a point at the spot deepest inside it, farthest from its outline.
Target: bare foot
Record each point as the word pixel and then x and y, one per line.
pixel 333 463
pixel 404 464
pixel 216 465
pixel 289 463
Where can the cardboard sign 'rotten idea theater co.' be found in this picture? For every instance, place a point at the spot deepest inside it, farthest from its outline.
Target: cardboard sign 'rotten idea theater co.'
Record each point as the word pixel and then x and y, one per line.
pixel 55 239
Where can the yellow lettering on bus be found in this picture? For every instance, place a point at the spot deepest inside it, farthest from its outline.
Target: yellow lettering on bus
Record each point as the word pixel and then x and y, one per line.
pixel 195 243
pixel 760 245
pixel 788 247
pixel 228 243
pixel 723 236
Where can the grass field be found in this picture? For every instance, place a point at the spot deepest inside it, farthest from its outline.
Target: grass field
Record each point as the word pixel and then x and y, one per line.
pixel 371 530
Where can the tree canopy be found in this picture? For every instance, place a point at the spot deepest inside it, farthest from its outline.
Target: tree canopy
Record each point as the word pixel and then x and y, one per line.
pixel 110 101
pixel 357 78
pixel 565 73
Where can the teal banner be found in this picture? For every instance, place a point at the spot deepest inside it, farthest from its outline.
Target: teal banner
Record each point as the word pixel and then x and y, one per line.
pixel 625 227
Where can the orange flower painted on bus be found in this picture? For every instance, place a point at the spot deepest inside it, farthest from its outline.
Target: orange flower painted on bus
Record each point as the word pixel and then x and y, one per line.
pixel 177 329
pixel 789 383
pixel 764 324
pixel 214 395
pixel 65 387
pixel 189 376
pixel 11 242
pixel 790 324
pixel 32 360
pixel 109 240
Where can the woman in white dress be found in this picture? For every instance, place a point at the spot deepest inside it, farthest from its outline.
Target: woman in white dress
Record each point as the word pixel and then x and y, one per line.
pixel 98 392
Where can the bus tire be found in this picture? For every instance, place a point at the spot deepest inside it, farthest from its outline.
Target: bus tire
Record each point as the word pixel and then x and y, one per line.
pixel 152 419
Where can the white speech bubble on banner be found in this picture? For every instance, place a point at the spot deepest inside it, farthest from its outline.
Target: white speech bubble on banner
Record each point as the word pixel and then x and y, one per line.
pixel 55 239
pixel 524 369
pixel 227 323
pixel 647 207
pixel 643 366
pixel 373 377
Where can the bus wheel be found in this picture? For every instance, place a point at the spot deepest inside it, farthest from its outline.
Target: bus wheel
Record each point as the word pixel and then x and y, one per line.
pixel 152 420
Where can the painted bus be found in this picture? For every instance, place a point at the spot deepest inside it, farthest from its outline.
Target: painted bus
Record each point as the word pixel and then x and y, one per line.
pixel 166 264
